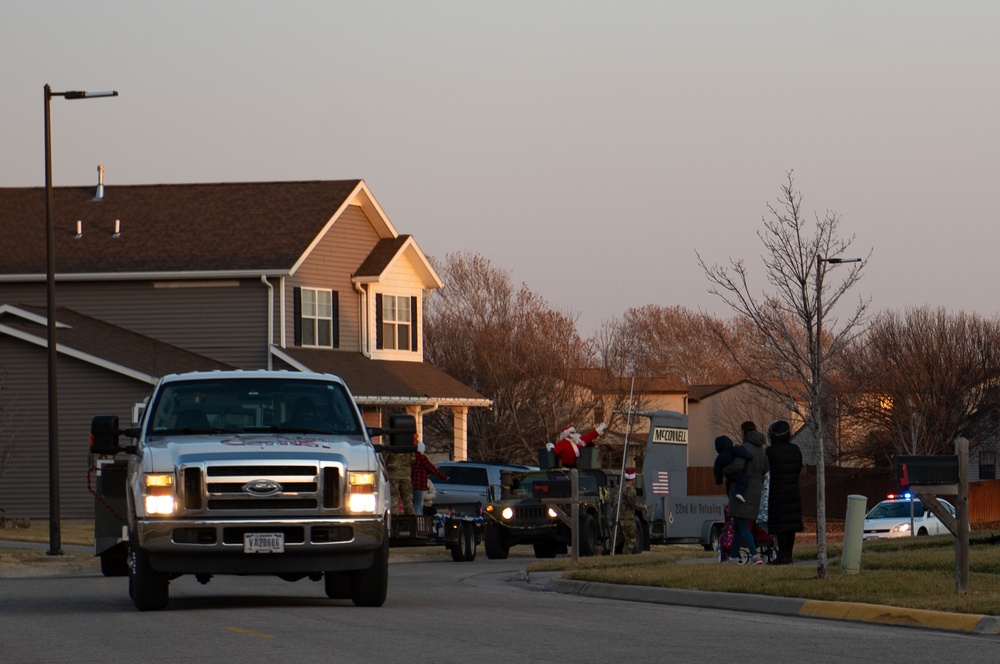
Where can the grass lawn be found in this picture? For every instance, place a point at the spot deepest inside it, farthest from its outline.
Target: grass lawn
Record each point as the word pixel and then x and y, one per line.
pixel 908 572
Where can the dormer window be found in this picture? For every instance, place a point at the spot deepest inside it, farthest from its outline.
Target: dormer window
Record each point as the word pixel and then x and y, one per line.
pixel 396 322
pixel 396 317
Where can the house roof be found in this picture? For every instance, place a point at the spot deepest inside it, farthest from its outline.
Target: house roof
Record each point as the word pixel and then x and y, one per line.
pixel 94 341
pixel 379 382
pixel 385 253
pixel 176 228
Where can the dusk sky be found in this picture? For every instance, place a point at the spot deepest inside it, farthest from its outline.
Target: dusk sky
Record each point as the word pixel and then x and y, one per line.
pixel 590 148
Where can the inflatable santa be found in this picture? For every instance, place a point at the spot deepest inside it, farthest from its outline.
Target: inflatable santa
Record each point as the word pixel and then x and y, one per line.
pixel 568 444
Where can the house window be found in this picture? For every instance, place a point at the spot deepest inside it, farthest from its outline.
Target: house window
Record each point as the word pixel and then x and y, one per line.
pixel 987 465
pixel 396 322
pixel 317 317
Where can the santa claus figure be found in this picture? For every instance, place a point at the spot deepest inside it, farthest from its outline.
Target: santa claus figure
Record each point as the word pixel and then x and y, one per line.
pixel 568 444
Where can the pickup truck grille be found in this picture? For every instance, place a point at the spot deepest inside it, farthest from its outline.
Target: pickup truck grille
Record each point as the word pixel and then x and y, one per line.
pixel 225 488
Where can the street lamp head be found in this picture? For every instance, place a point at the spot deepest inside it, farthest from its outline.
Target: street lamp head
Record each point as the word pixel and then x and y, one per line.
pixel 840 260
pixel 82 94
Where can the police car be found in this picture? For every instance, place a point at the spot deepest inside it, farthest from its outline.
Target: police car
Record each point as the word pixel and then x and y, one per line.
pixel 892 518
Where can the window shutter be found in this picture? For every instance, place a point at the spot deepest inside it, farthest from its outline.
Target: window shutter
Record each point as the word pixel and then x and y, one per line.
pixel 413 323
pixel 336 320
pixel 379 342
pixel 297 315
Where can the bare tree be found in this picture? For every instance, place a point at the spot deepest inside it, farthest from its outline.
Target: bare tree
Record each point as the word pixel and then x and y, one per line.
pixel 921 379
pixel 511 346
pixel 676 342
pixel 796 351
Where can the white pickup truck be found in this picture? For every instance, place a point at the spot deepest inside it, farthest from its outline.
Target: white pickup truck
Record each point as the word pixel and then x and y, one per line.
pixel 246 472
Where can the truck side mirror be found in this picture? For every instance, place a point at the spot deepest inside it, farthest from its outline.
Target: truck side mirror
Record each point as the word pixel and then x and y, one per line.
pixel 104 434
pixel 402 429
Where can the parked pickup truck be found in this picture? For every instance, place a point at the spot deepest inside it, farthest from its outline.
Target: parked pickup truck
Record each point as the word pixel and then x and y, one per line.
pixel 246 472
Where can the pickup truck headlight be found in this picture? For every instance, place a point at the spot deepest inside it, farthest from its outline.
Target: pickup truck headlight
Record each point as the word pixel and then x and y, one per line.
pixel 363 498
pixel 159 496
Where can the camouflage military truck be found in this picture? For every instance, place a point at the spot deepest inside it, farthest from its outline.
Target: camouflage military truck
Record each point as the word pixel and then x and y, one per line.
pixel 524 518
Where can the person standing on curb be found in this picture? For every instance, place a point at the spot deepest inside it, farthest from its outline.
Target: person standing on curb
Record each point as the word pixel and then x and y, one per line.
pixel 744 512
pixel 784 507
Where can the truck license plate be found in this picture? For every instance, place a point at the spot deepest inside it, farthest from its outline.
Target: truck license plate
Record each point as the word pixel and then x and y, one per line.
pixel 263 542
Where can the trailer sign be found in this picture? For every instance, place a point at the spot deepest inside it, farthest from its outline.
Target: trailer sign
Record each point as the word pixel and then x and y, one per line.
pixel 668 435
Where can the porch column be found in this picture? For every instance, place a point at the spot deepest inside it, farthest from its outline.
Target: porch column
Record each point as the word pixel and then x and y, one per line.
pixel 460 450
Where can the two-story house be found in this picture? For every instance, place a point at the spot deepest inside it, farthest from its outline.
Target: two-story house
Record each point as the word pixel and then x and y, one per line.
pixel 157 279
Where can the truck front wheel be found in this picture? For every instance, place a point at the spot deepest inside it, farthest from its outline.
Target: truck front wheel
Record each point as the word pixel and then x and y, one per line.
pixel 369 587
pixel 150 589
pixel 494 545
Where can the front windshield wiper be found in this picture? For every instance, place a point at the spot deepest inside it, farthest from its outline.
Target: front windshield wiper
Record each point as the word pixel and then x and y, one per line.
pixel 290 429
pixel 190 431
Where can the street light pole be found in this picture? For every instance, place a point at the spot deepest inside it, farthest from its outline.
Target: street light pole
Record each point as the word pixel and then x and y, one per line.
pixel 55 535
pixel 817 414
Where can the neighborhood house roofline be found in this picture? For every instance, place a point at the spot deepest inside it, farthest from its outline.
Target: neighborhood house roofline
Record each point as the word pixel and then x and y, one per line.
pixel 146 276
pixel 176 231
pixel 401 383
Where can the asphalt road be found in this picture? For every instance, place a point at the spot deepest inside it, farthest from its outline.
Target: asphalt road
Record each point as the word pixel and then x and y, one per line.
pixel 438 611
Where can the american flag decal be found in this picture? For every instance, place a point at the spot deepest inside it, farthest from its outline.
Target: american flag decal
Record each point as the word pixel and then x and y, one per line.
pixel 661 485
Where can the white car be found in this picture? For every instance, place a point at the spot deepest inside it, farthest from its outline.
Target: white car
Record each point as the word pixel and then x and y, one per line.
pixel 892 518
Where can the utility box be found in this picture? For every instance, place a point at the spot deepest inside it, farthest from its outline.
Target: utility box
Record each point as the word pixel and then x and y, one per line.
pixel 923 470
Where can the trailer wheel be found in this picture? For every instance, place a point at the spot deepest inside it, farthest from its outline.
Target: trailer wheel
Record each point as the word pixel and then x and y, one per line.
pixel 493 543
pixel 460 551
pixel 470 542
pixel 714 537
pixel 150 590
pixel 588 535
pixel 369 587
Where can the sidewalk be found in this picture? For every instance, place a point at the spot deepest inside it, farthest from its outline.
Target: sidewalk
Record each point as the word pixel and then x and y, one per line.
pixel 75 560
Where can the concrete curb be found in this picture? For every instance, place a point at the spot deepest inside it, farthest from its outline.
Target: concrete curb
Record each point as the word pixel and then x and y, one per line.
pixel 786 606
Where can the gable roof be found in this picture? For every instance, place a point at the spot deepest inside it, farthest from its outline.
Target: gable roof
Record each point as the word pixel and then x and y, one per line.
pixel 383 381
pixel 385 253
pixel 178 229
pixel 96 342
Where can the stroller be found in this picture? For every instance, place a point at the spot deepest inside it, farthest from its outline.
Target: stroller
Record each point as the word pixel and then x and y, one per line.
pixel 765 544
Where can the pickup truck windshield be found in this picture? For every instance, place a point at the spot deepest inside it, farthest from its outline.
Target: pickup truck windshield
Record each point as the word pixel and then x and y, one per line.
pixel 248 405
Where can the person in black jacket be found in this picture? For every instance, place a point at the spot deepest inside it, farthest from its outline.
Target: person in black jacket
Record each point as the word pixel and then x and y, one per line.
pixel 784 507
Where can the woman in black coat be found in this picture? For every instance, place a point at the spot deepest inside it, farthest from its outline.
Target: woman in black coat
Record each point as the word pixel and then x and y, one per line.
pixel 784 505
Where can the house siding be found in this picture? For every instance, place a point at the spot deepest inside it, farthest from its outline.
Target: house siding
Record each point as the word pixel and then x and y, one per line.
pixel 198 316
pixel 722 413
pixel 84 391
pixel 331 265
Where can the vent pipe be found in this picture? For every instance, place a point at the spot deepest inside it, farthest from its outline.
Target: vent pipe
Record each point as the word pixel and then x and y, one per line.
pixel 79 229
pixel 99 196
pixel 118 228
